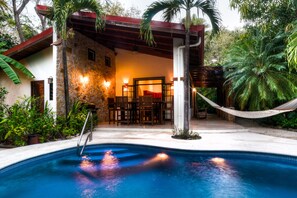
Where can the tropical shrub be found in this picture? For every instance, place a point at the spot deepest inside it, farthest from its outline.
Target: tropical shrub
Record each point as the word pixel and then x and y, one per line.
pixel 24 118
pixel 3 107
pixel 257 72
pixel 210 93
pixel 74 122
pixel 286 120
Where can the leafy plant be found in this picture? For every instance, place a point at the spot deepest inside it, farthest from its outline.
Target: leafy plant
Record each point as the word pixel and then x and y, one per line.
pixel 180 134
pixel 74 122
pixel 6 63
pixel 286 120
pixel 257 72
pixel 24 118
pixel 210 93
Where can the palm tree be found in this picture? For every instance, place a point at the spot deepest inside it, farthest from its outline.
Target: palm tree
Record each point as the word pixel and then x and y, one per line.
pixel 59 13
pixel 257 72
pixel 6 64
pixel 170 9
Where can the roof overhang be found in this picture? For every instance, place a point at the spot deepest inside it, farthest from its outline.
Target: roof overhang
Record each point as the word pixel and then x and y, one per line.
pixel 123 32
pixel 31 46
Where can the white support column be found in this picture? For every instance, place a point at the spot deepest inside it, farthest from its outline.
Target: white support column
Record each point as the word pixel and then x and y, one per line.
pixel 178 72
pixel 53 103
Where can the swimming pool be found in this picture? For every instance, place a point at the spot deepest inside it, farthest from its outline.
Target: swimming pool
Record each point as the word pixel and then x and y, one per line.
pixel 150 172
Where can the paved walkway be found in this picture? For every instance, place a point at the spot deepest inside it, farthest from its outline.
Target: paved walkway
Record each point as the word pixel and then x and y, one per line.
pixel 216 135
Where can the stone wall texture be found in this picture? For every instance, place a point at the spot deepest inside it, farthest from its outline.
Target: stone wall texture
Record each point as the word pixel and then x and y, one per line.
pixel 95 73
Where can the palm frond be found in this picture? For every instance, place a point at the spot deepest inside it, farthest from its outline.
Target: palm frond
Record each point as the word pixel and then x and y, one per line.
pixel 93 6
pixel 168 6
pixel 9 72
pixel 208 8
pixel 5 65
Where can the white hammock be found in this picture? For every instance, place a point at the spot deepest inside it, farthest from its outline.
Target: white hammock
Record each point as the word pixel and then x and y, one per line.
pixel 289 106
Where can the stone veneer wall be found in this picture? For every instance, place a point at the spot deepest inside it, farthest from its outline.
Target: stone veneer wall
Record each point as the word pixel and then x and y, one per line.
pixel 93 91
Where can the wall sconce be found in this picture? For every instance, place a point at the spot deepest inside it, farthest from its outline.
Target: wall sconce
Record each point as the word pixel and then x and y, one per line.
pixel 50 80
pixel 106 84
pixel 194 89
pixel 84 80
pixel 126 81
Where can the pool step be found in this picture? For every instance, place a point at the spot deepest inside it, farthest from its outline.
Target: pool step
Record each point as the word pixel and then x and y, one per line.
pixel 98 158
pixel 96 152
pixel 74 165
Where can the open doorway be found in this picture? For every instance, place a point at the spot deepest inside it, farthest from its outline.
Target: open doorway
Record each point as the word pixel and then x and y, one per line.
pixel 37 91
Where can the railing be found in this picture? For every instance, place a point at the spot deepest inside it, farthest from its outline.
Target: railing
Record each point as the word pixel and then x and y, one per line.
pixel 89 137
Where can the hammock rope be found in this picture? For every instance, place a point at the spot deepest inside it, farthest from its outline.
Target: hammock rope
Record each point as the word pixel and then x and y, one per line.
pixel 287 107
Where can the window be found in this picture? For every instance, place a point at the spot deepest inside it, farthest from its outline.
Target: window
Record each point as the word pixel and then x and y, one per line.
pixel 91 55
pixel 107 61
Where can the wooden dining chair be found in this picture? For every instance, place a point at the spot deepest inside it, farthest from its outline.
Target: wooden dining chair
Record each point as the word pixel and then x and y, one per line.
pixel 146 109
pixel 111 110
pixel 123 111
pixel 169 109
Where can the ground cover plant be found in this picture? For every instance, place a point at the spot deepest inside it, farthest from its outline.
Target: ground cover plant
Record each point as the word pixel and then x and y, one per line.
pixel 22 119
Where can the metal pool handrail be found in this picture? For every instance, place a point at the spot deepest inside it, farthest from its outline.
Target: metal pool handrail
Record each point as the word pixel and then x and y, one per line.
pixel 90 135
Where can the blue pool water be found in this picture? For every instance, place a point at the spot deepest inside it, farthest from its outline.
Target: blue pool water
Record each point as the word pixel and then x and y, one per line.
pixel 148 172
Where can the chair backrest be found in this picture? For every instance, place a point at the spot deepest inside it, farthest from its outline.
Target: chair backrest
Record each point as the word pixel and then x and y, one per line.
pixel 170 103
pixel 110 103
pixel 122 101
pixel 145 101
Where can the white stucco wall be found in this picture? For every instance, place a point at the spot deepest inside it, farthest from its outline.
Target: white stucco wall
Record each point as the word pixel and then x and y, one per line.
pixel 41 65
pixel 131 65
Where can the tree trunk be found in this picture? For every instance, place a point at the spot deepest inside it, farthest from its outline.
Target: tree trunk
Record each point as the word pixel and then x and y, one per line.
pixel 41 18
pixel 16 13
pixel 186 84
pixel 18 24
pixel 186 74
pixel 65 72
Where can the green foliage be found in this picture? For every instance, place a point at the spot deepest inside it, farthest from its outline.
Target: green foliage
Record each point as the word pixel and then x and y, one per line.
pixel 73 124
pixel 292 46
pixel 171 8
pixel 210 93
pixel 6 42
pixel 287 120
pixel 257 72
pixel 24 118
pixel 6 63
pixel 269 15
pixel 217 46
pixel 3 107
pixel 116 8
pixel 62 9
pixel 181 134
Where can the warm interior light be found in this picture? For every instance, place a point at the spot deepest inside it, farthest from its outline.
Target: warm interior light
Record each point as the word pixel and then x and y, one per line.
pixel 106 84
pixel 84 80
pixel 194 90
pixel 126 81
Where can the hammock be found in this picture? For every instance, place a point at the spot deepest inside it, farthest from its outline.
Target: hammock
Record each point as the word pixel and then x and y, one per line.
pixel 289 106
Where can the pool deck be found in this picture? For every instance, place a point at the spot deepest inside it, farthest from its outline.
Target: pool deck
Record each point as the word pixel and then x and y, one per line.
pixel 217 135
